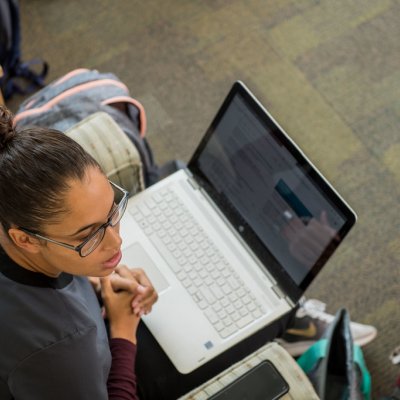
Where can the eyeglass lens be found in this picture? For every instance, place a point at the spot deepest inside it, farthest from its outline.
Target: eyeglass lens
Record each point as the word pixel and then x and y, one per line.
pixel 96 239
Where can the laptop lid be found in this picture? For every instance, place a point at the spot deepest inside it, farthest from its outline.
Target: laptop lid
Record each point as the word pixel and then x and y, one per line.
pixel 274 197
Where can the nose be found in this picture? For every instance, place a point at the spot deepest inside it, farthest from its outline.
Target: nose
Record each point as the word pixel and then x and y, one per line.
pixel 112 238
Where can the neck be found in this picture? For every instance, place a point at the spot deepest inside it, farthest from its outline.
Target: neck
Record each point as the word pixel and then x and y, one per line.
pixel 31 262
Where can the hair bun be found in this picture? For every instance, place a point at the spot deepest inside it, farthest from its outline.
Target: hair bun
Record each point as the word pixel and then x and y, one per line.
pixel 7 130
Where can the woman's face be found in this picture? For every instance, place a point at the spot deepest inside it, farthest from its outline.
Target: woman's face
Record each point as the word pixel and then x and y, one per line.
pixel 89 203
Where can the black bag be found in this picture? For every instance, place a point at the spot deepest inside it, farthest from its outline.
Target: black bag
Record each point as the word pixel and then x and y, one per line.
pixel 18 77
pixel 335 366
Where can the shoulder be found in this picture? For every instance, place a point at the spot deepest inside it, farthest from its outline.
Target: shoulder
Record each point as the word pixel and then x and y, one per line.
pixel 36 318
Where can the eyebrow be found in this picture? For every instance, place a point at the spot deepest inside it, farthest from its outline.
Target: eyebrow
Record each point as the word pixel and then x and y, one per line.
pixel 94 224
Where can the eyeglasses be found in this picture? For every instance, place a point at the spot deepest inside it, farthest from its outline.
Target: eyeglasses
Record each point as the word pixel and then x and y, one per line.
pixel 94 239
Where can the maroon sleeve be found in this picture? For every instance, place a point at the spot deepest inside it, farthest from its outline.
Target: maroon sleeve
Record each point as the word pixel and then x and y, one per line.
pixel 121 384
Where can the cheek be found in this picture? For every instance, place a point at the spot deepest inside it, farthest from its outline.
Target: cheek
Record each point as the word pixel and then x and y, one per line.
pixel 71 262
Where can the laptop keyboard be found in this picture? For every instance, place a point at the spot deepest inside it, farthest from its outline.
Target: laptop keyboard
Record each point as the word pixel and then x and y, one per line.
pixel 201 268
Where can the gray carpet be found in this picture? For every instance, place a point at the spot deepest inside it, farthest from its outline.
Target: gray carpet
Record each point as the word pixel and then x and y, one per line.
pixel 327 70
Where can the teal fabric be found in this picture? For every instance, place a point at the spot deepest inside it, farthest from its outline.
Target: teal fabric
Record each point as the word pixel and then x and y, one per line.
pixel 317 351
pixel 310 358
pixel 365 375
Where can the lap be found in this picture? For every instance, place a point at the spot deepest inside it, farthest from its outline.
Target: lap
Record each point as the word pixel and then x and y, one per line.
pixel 158 379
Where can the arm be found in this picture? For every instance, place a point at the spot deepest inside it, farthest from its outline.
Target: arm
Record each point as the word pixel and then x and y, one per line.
pixel 121 382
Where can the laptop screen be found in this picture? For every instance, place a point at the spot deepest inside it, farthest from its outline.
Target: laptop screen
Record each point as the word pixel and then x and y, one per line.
pixel 273 196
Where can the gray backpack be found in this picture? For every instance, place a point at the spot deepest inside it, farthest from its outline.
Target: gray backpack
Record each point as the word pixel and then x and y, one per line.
pixel 68 104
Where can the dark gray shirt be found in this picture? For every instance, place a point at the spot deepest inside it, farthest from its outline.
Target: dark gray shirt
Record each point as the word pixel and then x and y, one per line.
pixel 53 341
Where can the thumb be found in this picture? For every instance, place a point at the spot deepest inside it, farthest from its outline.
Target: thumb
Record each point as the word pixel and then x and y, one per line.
pixel 119 283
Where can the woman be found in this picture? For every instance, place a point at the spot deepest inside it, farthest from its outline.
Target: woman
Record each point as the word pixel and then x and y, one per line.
pixel 59 219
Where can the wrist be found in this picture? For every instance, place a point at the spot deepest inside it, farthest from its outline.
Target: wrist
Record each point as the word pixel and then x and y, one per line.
pixel 122 331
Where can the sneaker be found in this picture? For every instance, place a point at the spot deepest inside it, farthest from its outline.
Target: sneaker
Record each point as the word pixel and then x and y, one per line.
pixel 310 323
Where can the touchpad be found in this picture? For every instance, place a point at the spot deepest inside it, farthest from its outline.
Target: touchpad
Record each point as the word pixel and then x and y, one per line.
pixel 135 256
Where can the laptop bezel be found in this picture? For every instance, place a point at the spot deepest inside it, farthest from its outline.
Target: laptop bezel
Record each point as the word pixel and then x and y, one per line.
pixel 290 288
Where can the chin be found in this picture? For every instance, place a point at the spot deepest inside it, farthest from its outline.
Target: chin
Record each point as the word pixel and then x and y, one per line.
pixel 105 272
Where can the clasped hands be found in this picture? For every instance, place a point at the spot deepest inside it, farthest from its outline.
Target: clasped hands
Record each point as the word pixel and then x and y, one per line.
pixel 127 295
pixel 134 282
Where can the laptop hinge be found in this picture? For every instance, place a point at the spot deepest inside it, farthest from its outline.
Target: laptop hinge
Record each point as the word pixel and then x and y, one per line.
pixel 193 183
pixel 278 291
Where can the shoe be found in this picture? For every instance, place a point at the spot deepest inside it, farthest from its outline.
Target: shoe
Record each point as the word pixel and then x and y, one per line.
pixel 310 323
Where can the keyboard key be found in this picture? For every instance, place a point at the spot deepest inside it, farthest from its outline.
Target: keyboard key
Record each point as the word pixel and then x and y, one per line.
pixel 219 326
pixel 233 282
pixel 157 197
pixel 230 309
pixel 227 321
pixel 203 304
pixel 211 315
pixel 144 209
pixel 256 313
pixel 217 292
pixel 186 282
pixel 208 295
pixel 227 289
pixel 228 331
pixel 247 319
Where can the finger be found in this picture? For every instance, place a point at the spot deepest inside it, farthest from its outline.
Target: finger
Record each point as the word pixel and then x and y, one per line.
pixel 106 288
pixel 145 294
pixel 145 303
pixel 141 276
pixel 118 283
pixel 124 271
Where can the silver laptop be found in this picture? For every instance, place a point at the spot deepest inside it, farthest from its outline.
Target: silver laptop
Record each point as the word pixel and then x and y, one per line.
pixel 232 241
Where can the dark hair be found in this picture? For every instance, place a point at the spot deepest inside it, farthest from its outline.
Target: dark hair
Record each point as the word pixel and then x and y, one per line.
pixel 36 167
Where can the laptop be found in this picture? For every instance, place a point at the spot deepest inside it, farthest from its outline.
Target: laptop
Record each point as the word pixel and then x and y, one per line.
pixel 232 241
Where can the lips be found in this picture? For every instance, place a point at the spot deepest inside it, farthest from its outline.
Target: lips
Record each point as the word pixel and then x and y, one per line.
pixel 113 261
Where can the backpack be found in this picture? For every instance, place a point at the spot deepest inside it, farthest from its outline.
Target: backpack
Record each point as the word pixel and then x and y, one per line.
pixel 18 77
pixel 71 100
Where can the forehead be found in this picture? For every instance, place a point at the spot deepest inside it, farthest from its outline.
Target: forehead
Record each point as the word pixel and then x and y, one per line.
pixel 88 201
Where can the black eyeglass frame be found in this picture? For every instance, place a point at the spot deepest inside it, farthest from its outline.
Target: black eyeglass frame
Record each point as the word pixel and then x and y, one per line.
pixel 121 207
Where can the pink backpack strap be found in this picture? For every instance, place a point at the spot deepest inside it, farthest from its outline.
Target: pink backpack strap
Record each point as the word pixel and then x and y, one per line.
pixel 137 104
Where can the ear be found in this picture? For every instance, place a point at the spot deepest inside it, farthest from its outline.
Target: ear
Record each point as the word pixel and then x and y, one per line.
pixel 24 241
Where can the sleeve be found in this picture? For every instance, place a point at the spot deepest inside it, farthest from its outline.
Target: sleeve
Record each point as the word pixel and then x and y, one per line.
pixel 121 382
pixel 75 367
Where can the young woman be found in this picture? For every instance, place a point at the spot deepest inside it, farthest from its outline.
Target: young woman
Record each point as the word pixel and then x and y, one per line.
pixel 59 224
